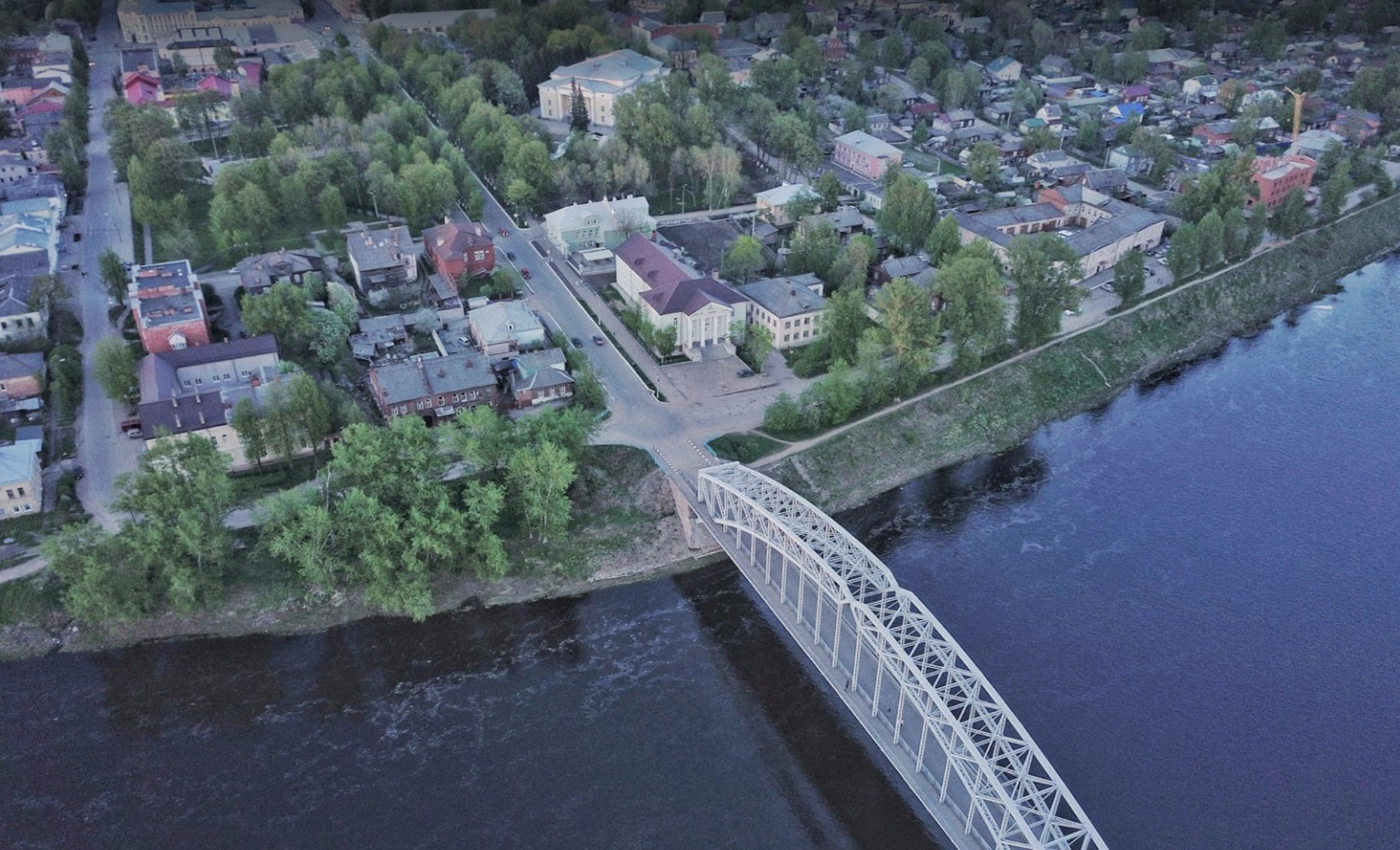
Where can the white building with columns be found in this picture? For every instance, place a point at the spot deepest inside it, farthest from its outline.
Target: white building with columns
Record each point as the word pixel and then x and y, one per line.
pixel 702 309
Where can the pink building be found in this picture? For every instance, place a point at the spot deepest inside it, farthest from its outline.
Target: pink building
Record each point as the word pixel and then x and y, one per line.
pixel 866 155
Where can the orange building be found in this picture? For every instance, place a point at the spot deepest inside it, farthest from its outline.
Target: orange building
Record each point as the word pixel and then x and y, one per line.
pixel 1276 176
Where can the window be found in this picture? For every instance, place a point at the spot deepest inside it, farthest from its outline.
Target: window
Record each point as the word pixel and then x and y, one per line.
pixel 9 493
pixel 20 490
pixel 199 380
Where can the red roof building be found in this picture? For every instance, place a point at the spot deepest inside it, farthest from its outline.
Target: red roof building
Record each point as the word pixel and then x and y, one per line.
pixel 459 247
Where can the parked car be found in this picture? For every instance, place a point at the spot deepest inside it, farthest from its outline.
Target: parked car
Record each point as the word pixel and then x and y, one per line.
pixel 578 343
pixel 746 373
pixel 134 433
pixel 510 255
pixel 598 339
pixel 505 232
pixel 78 473
pixel 524 272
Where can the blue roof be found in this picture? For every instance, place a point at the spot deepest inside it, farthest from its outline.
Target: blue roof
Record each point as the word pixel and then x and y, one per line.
pixel 999 64
pixel 1123 111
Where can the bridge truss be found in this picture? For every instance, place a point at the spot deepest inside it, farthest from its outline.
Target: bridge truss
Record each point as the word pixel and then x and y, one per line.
pixel 909 683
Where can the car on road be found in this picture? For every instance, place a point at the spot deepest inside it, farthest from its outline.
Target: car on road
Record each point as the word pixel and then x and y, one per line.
pixel 78 473
pixel 598 339
pixel 578 343
pixel 510 255
pixel 524 272
pixel 134 433
pixel 746 373
pixel 505 232
pixel 233 270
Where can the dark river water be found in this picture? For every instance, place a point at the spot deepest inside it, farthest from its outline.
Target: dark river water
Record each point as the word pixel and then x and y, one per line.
pixel 1191 598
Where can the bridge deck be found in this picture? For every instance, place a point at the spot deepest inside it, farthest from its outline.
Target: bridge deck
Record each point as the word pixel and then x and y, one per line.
pixel 938 721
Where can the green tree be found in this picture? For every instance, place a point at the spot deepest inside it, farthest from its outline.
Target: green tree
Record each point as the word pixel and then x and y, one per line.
pixel 248 423
pixel 1130 277
pixel 1210 240
pixel 784 417
pixel 1266 39
pixel 828 187
pixel 743 259
pixel 906 312
pixel 976 313
pixel 943 241
pixel 100 584
pixel 907 215
pixel 578 110
pixel 114 365
pixel 984 162
pixel 843 322
pixel 758 344
pixel 1291 215
pixel 283 312
pixel 1237 245
pixel 1334 194
pixel 331 206
pixel 539 476
pixel 1044 271
pixel 1258 226
pixel 815 247
pixel 1183 257
pixel 177 499
pixel 225 58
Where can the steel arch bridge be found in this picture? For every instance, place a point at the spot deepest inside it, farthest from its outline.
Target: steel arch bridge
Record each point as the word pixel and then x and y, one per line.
pixel 936 717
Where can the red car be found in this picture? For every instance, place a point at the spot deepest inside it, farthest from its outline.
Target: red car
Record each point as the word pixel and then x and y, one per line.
pixel 525 273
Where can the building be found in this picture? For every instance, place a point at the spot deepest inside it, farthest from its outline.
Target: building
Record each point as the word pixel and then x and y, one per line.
pixel 701 309
pixel 197 45
pixel 168 306
pixel 1003 69
pixel 435 389
pixel 599 224
pixel 773 205
pixel 21 479
pixel 539 377
pixel 789 307
pixel 459 247
pixel 1276 176
pixel 863 154
pixel 19 316
pixel 1356 125
pixel 384 261
pixel 600 81
pixel 149 21
pixel 505 327
pixel 21 376
pixel 192 391
pixel 432 23
pixel 1098 228
pixel 1215 132
pixel 258 273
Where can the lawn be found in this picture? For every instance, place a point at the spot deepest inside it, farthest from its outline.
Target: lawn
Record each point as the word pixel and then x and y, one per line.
pixel 744 446
pixel 207 254
pixel 930 163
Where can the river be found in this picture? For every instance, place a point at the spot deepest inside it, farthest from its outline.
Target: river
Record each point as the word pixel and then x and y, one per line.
pixel 1190 598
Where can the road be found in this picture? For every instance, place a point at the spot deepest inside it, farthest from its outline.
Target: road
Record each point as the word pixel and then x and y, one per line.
pixel 103 452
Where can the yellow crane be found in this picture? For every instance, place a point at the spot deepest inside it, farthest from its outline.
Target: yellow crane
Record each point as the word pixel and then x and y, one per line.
pixel 1297 111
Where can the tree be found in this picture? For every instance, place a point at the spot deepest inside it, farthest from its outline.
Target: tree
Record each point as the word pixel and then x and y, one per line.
pixel 1130 277
pixel 1183 258
pixel 578 110
pixel 1258 226
pixel 539 476
pixel 114 366
pixel 248 423
pixel 829 188
pixel 1044 270
pixel 843 321
pixel 1266 39
pixel 46 291
pixel 1291 216
pixel 906 217
pixel 854 117
pixel 1237 245
pixel 1210 240
pixel 918 73
pixel 976 313
pixel 743 258
pixel 331 205
pixel 983 162
pixel 815 246
pixel 758 344
pixel 225 58
pixel 100 584
pixel 1334 194
pixel 892 53
pixel 906 312
pixel 283 312
pixel 177 499
pixel 943 241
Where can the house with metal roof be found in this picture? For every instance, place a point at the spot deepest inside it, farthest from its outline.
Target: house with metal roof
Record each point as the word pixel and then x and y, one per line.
pixel 789 307
pixel 384 261
pixel 505 327
pixel 168 305
pixel 701 309
pixel 539 377
pixel 19 315
pixel 598 224
pixel 21 479
pixel 600 81
pixel 434 388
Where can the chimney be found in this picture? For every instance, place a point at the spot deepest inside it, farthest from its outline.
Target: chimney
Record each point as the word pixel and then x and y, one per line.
pixel 201 419
pixel 174 401
pixel 177 422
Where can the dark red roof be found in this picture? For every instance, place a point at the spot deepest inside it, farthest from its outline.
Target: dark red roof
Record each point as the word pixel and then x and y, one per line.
pixel 688 296
pixel 650 263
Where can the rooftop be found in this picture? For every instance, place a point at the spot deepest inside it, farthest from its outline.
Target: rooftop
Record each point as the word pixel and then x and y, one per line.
pixel 866 143
pixel 785 297
pixel 419 377
pixel 379 249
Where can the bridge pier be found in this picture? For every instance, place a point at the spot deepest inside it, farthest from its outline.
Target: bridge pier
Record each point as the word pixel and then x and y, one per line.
pixel 697 534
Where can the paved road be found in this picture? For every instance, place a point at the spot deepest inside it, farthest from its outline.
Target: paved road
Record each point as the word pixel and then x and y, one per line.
pixel 103 452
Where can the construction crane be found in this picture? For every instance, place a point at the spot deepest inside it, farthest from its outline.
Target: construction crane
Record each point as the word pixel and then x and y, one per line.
pixel 1297 111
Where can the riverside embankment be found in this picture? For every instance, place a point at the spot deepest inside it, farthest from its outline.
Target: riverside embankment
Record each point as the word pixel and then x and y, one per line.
pixel 1003 405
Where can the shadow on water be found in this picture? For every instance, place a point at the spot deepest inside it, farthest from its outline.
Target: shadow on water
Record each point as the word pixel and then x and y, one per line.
pixel 869 802
pixel 943 500
pixel 228 684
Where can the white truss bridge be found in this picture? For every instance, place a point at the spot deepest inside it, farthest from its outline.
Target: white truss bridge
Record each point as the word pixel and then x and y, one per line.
pixel 936 717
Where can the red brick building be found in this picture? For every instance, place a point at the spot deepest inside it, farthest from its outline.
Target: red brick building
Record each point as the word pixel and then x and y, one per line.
pixel 168 307
pixel 1215 132
pixel 1276 176
pixel 459 247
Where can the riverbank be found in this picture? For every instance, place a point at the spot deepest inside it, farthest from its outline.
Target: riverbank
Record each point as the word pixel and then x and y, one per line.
pixel 625 530
pixel 1004 405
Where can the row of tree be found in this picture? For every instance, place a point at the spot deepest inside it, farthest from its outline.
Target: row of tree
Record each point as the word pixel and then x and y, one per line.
pixel 384 517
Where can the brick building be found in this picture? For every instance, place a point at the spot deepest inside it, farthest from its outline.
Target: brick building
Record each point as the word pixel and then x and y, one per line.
pixel 1276 176
pixel 866 155
pixel 460 247
pixel 168 307
pixel 434 388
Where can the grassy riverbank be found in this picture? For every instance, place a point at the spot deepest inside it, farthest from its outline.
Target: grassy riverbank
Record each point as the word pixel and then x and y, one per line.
pixel 624 527
pixel 1005 405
